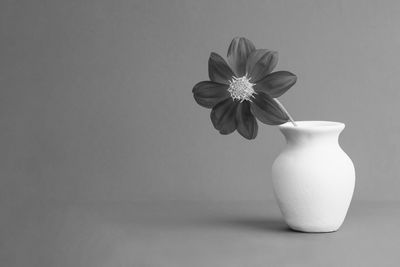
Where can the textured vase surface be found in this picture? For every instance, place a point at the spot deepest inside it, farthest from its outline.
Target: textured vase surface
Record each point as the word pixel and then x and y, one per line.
pixel 313 178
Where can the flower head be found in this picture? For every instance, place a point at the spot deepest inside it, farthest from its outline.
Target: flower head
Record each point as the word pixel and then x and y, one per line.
pixel 244 89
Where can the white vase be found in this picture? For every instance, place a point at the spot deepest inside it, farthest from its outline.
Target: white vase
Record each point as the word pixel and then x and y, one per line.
pixel 313 178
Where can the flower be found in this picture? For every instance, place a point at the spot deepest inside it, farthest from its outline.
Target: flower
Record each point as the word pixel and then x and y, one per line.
pixel 244 90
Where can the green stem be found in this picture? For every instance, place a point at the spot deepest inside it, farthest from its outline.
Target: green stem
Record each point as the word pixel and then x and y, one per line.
pixel 284 110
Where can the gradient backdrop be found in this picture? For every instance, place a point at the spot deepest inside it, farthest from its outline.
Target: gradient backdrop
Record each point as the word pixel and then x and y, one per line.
pixel 96 102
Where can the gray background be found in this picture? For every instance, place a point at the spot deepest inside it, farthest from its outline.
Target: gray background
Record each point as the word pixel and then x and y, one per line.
pixel 96 103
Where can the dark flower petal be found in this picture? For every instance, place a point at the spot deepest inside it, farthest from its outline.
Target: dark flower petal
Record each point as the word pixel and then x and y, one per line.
pixel 246 123
pixel 276 83
pixel 267 110
pixel 238 52
pixel 223 116
pixel 207 94
pixel 218 70
pixel 260 63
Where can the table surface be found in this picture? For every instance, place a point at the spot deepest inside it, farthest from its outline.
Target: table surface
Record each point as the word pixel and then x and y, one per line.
pixel 191 235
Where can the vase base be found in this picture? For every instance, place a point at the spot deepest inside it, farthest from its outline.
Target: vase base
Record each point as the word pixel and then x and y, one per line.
pixel 315 230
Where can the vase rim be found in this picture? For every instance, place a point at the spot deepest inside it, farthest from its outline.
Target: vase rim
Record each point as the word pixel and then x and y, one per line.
pixel 312 125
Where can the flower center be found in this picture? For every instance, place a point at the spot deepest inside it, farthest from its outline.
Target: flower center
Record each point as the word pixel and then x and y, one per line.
pixel 241 88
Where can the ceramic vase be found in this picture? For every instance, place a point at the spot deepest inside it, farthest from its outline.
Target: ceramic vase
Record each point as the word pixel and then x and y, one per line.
pixel 313 178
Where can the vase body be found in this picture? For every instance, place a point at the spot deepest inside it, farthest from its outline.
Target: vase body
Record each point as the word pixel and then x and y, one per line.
pixel 313 178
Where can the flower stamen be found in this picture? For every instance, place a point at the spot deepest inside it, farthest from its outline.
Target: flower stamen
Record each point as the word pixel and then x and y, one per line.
pixel 241 88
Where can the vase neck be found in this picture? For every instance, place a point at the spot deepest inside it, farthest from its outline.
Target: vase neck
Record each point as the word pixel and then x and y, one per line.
pixel 310 132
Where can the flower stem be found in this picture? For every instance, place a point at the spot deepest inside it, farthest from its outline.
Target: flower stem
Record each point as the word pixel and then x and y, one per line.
pixel 284 110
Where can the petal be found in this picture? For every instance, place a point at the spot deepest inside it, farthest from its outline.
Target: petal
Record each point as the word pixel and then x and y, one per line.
pixel 246 123
pixel 276 83
pixel 223 116
pixel 260 63
pixel 267 110
pixel 218 69
pixel 238 52
pixel 207 94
